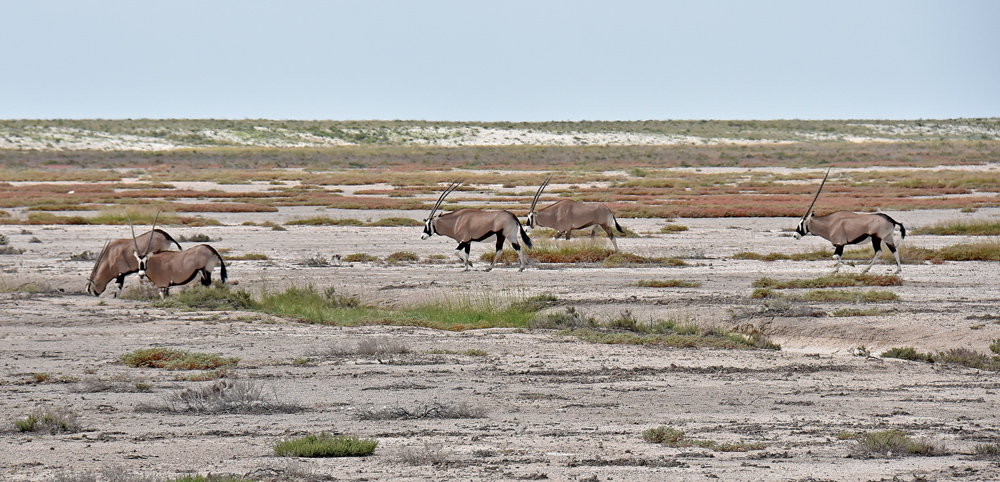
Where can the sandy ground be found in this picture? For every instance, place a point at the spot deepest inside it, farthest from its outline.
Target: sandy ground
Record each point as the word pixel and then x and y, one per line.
pixel 553 407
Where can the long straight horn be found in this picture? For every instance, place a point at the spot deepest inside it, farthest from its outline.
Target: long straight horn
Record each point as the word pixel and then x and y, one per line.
pixel 134 241
pixel 539 193
pixel 152 232
pixel 451 188
pixel 817 194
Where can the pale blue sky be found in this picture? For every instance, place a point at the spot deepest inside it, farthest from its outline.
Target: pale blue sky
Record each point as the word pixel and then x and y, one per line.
pixel 500 61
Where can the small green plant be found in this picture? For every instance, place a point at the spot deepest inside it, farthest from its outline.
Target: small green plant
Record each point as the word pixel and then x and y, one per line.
pixel 52 421
pixel 274 226
pixel 995 346
pixel 173 359
pixel 325 445
pixel 908 353
pixel 831 281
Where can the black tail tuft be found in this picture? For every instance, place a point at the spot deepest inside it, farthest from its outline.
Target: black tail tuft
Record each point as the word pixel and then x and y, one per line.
pixel 902 230
pixel 619 228
pixel 524 236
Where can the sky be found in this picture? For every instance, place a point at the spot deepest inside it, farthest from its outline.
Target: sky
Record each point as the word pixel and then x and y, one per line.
pixel 473 61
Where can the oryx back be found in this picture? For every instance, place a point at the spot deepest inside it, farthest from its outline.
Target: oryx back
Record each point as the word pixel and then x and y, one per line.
pixel 566 215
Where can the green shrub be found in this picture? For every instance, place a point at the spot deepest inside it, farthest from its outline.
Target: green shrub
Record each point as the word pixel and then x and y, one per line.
pixel 324 445
pixel 886 443
pixel 672 437
pixel 173 359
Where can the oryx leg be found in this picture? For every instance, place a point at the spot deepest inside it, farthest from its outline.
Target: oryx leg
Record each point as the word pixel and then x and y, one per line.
pixel 569 233
pixel 877 244
pixel 895 254
pixel 164 292
pixel 206 277
pixel 120 285
pixel 838 254
pixel 611 236
pixel 593 230
pixel 496 256
pixel 463 254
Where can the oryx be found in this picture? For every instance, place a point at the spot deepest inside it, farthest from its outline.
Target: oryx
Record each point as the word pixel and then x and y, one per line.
pixel 172 268
pixel 116 261
pixel 468 225
pixel 844 227
pixel 566 215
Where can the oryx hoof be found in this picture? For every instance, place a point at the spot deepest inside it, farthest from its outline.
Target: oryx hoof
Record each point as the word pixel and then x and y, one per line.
pixel 488 269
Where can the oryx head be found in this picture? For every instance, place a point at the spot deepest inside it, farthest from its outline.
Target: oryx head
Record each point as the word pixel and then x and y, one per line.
pixel 803 228
pixel 142 256
pixel 531 212
pixel 92 288
pixel 429 222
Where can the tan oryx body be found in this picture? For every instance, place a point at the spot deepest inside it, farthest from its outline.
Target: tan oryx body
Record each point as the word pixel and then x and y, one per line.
pixel 844 227
pixel 566 215
pixel 469 225
pixel 116 260
pixel 173 268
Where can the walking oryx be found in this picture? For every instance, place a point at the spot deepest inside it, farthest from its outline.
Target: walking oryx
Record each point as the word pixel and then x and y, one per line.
pixel 844 227
pixel 566 215
pixel 116 260
pixel 468 225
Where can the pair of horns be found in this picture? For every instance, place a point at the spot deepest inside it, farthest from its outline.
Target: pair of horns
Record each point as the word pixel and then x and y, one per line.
pixel 539 193
pixel 149 242
pixel 451 188
pixel 809 210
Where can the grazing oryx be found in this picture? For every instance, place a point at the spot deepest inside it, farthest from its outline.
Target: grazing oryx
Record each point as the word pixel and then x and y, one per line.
pixel 844 227
pixel 564 216
pixel 172 268
pixel 116 261
pixel 468 225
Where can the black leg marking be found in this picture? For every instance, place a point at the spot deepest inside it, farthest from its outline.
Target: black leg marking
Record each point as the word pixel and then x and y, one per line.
pixel 838 250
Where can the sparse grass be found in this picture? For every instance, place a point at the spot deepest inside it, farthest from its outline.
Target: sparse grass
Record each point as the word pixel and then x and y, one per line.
pixel 195 238
pixel 434 410
pixel 672 437
pixel 316 261
pixel 395 222
pixel 847 312
pixel 667 283
pixel 360 258
pixel 402 257
pixel 957 356
pixel 174 359
pixel 990 451
pixel 51 421
pixel 325 221
pixel 222 396
pixel 325 445
pixel 583 251
pixel 469 352
pixel 830 281
pixel 428 454
pixel 246 257
pixel 821 296
pixel 962 228
pixel 627 329
pixel 982 251
pixel 673 228
pixel 890 443
pixel 217 297
pixel 381 346
pixel 907 353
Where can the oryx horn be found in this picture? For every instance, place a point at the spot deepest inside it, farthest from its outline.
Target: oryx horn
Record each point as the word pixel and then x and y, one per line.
pixel 817 194
pixel 451 188
pixel 539 193
pixel 152 232
pixel 134 241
